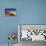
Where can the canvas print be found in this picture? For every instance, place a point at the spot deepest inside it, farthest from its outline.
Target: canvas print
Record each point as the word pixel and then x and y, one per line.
pixel 10 12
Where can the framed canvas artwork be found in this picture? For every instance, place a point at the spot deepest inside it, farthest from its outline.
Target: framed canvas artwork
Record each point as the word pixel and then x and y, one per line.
pixel 10 12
